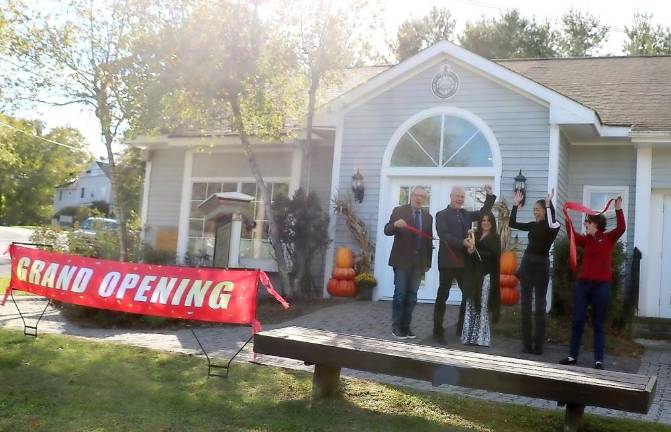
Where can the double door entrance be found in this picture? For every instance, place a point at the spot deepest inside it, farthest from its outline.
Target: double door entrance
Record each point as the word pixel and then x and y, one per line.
pixel 438 190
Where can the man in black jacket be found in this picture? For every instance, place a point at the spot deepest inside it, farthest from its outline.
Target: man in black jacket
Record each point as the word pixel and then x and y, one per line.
pixel 410 257
pixel 452 225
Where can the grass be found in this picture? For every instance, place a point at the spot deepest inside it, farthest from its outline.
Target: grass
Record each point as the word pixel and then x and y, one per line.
pixel 558 331
pixel 4 281
pixel 57 383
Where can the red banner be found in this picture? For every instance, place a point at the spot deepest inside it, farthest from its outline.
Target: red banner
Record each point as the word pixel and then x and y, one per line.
pixel 204 294
pixel 572 254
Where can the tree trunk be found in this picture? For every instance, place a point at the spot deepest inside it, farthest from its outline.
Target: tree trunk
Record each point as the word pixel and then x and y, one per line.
pixel 267 198
pixel 307 144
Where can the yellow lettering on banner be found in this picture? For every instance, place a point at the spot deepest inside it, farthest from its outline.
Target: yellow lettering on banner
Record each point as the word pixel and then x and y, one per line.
pixel 36 272
pixel 177 298
pixel 197 293
pixel 65 276
pixel 49 278
pixel 82 280
pixel 162 290
pixel 128 282
pixel 108 284
pixel 219 300
pixel 143 288
pixel 22 268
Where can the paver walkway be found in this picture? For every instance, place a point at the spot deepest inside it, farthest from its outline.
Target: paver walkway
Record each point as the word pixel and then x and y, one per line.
pixel 353 317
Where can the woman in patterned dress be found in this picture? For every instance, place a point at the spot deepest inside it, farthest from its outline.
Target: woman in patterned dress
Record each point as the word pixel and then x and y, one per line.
pixel 481 278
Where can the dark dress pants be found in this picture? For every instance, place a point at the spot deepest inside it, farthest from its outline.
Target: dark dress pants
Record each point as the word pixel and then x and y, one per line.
pixel 534 274
pixel 596 294
pixel 406 285
pixel 447 275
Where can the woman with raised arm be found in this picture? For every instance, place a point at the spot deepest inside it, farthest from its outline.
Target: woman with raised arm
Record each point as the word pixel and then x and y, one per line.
pixel 534 272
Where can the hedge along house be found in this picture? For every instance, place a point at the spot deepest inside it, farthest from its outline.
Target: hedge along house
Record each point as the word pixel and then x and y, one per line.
pixel 590 128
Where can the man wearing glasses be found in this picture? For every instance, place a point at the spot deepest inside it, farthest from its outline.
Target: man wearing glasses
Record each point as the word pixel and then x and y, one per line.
pixel 594 282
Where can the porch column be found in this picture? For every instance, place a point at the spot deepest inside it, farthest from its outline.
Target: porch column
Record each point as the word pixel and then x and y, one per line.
pixel 553 184
pixel 185 207
pixel 145 195
pixel 647 298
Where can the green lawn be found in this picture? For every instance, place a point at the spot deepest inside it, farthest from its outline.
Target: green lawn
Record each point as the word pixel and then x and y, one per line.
pixel 56 383
pixel 4 281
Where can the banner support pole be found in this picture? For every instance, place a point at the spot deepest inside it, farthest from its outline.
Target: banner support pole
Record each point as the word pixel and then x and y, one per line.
pixel 27 329
pixel 211 366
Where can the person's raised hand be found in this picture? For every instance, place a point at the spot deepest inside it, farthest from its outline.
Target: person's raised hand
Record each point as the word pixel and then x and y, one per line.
pixel 400 224
pixel 488 189
pixel 548 199
pixel 518 197
pixel 618 203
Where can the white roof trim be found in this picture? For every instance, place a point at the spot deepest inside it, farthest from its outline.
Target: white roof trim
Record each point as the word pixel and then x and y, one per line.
pixel 563 110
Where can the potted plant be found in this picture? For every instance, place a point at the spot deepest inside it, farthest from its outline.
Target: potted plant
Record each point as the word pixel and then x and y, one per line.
pixel 365 282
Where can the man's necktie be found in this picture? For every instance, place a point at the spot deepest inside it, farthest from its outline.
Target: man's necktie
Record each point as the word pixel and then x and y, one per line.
pixel 418 225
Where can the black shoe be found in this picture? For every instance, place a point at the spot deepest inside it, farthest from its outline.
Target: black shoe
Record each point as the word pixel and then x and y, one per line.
pixel 410 335
pixel 568 361
pixel 399 334
pixel 598 365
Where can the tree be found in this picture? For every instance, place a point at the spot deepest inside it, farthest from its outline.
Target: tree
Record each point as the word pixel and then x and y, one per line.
pixel 643 38
pixel 32 166
pixel 416 34
pixel 510 36
pixel 130 168
pixel 581 34
pixel 81 49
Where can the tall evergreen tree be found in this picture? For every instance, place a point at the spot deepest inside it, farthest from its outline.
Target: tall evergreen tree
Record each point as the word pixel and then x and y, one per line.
pixel 416 34
pixel 581 34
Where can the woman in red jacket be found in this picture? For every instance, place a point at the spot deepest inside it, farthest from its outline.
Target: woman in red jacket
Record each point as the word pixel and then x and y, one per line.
pixel 594 281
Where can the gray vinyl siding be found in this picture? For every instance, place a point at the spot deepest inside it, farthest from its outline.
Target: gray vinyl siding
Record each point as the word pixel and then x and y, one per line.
pixel 217 164
pixel 520 125
pixel 661 168
pixel 165 188
pixel 563 181
pixel 603 166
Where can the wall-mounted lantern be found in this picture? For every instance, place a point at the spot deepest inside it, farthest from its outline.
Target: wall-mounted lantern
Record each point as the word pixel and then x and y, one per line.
pixel 357 186
pixel 521 185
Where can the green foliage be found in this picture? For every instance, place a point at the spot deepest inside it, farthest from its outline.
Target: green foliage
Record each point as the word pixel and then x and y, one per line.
pixel 582 33
pixel 563 280
pixel 303 228
pixel 102 244
pixel 509 36
pixel 416 34
pixel 130 168
pixel 158 256
pixel 644 38
pixel 31 168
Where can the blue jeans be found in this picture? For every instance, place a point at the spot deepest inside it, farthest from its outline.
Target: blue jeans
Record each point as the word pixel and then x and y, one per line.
pixel 406 284
pixel 596 293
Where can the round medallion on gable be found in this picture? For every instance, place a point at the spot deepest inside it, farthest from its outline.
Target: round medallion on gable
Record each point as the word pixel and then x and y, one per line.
pixel 446 83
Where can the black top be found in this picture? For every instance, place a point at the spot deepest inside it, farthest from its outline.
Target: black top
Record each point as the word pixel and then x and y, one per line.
pixel 541 235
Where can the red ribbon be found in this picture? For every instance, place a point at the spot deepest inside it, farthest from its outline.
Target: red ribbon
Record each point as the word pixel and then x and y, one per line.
pixel 572 255
pixel 414 230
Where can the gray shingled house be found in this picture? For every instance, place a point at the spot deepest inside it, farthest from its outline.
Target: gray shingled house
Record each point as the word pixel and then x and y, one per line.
pixel 591 128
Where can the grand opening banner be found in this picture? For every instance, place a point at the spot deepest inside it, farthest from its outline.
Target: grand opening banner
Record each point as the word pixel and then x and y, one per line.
pixel 204 294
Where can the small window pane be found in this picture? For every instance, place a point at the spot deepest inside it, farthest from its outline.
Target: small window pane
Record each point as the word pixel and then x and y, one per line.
pixel 280 190
pixel 213 188
pixel 229 187
pixel 199 191
pixel 195 211
pixel 404 195
pixel 249 189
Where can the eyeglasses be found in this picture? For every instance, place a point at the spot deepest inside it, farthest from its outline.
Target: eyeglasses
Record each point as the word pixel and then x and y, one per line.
pixel 587 221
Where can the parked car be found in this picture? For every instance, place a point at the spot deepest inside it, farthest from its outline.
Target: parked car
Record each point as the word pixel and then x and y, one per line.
pixel 92 225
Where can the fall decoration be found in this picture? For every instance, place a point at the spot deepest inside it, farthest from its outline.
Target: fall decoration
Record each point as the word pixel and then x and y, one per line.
pixel 508 282
pixel 342 283
pixel 364 258
pixel 342 273
pixel 344 257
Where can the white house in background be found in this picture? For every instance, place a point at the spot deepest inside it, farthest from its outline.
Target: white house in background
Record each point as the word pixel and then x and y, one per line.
pixel 589 128
pixel 93 184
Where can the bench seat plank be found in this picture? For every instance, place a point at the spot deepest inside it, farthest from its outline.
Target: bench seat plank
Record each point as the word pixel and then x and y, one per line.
pixel 571 384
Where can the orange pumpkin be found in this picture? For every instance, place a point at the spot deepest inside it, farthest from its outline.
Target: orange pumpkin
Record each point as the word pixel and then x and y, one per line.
pixel 341 288
pixel 342 273
pixel 509 296
pixel 344 258
pixel 508 280
pixel 508 262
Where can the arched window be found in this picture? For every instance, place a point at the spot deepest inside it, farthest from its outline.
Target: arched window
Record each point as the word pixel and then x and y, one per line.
pixel 442 141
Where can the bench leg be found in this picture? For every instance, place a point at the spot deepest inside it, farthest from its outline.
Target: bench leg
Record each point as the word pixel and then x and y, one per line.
pixel 325 381
pixel 573 418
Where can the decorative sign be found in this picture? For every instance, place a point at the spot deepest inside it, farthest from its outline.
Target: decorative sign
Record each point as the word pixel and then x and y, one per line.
pixel 205 294
pixel 446 83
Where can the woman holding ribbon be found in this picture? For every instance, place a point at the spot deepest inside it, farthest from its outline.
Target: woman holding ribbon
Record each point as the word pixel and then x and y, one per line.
pixel 481 280
pixel 594 280
pixel 534 272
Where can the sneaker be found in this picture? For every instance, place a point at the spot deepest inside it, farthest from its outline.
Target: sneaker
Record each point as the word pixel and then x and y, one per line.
pixel 398 334
pixel 598 365
pixel 410 335
pixel 568 361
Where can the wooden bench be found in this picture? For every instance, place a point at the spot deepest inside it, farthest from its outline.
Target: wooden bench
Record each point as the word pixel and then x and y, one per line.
pixel 577 387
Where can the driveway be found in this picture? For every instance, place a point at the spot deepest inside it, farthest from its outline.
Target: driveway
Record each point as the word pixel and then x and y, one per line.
pixel 8 235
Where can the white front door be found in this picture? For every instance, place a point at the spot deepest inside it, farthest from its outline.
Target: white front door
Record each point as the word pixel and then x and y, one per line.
pixel 438 189
pixel 665 259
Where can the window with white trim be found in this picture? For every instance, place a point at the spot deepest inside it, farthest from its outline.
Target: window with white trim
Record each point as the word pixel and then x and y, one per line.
pixel 254 243
pixel 442 141
pixel 596 197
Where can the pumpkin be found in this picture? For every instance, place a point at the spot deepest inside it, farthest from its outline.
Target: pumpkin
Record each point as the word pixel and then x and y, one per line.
pixel 342 273
pixel 341 288
pixel 508 280
pixel 344 258
pixel 508 262
pixel 509 296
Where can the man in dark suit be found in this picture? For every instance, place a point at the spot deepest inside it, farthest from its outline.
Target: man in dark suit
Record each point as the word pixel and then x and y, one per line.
pixel 410 257
pixel 452 225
